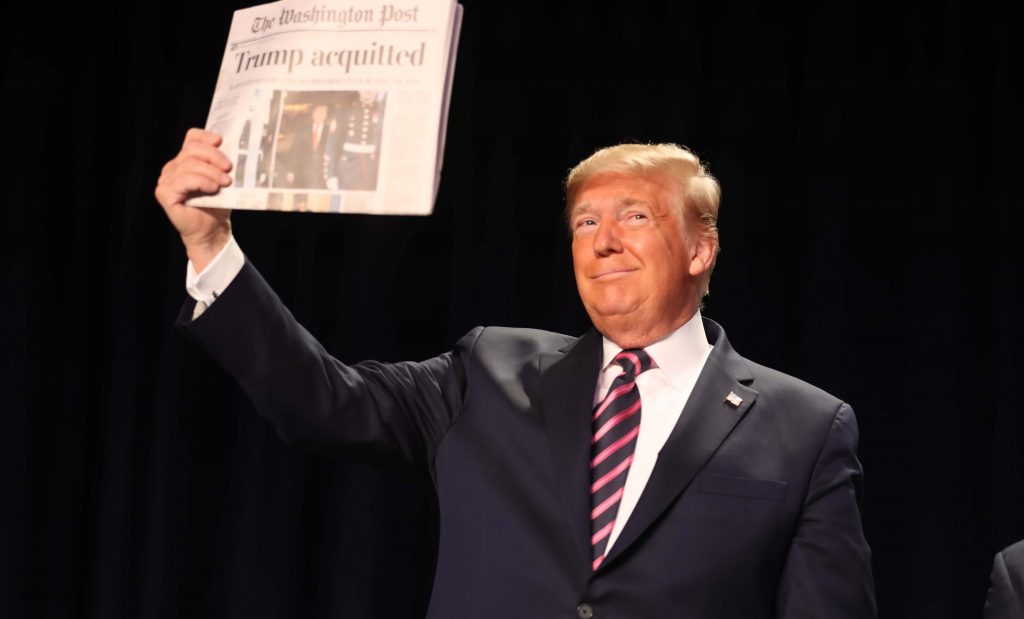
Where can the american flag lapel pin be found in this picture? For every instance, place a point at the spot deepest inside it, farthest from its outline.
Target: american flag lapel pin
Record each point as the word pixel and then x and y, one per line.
pixel 733 400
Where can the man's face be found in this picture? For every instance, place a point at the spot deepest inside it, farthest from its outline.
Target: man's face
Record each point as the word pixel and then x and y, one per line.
pixel 637 259
pixel 319 114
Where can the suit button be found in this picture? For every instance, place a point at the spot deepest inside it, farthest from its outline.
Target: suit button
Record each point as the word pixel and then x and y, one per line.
pixel 585 611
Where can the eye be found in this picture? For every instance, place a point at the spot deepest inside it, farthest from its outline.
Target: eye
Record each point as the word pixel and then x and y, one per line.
pixel 585 222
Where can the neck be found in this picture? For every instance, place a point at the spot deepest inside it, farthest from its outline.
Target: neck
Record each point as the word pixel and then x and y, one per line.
pixel 627 333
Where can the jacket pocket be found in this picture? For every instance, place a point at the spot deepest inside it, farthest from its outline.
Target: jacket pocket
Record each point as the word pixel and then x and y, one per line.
pixel 743 487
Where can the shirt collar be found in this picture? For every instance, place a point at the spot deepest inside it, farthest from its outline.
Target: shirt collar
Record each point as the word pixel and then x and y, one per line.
pixel 680 355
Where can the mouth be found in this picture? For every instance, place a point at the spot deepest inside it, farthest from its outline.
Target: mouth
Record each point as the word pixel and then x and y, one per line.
pixel 612 274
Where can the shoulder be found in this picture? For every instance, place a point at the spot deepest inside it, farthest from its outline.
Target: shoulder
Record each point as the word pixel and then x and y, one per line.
pixel 509 344
pixel 791 392
pixel 1006 592
pixel 508 359
pixel 803 412
pixel 792 410
pixel 776 390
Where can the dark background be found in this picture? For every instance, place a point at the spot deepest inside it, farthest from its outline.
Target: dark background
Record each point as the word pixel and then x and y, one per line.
pixel 869 156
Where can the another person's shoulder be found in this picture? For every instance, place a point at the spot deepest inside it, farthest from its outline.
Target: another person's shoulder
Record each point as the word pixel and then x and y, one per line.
pixel 1013 556
pixel 1006 595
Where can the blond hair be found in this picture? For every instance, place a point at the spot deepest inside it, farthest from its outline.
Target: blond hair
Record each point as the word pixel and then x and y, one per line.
pixel 699 193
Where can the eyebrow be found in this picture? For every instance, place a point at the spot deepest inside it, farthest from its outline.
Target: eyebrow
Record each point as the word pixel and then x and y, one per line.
pixel 621 203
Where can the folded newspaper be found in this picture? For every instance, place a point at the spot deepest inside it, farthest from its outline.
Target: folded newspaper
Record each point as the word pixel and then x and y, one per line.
pixel 335 106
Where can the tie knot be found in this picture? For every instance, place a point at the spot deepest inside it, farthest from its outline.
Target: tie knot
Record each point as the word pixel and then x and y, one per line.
pixel 634 361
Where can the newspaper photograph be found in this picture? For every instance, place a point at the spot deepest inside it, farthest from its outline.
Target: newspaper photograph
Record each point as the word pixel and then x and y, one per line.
pixel 335 107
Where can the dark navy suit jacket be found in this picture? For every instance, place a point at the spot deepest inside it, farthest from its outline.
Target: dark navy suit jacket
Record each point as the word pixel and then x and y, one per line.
pixel 751 510
pixel 1006 595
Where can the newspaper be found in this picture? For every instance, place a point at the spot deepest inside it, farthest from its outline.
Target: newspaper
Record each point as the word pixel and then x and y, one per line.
pixel 335 106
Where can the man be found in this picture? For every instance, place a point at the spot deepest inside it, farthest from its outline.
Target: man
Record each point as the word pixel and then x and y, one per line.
pixel 353 150
pixel 306 157
pixel 644 470
pixel 1006 595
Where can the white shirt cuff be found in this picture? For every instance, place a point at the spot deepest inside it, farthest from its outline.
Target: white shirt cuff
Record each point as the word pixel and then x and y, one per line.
pixel 205 287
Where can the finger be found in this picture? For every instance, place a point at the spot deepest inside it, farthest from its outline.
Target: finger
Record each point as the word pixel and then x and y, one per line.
pixel 185 185
pixel 202 136
pixel 201 153
pixel 196 176
pixel 205 152
pixel 194 166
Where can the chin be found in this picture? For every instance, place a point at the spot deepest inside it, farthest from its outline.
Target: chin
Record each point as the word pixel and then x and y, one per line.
pixel 609 307
pixel 611 313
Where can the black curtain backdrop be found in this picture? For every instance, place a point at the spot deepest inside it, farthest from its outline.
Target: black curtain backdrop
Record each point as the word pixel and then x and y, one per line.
pixel 870 225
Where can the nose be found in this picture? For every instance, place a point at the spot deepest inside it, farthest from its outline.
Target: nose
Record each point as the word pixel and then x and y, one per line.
pixel 607 241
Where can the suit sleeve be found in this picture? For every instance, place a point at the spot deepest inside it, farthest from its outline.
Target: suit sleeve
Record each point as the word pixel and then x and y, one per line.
pixel 400 410
pixel 828 567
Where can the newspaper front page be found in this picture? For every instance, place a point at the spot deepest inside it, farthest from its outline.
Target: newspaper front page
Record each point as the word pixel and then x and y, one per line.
pixel 335 107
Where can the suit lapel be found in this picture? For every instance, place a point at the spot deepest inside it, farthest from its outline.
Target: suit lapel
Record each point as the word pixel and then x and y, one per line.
pixel 567 380
pixel 706 420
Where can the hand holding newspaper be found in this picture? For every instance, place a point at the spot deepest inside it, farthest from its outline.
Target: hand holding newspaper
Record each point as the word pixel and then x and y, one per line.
pixel 335 106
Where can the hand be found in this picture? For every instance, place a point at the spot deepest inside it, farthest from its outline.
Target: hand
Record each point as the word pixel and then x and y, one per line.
pixel 198 169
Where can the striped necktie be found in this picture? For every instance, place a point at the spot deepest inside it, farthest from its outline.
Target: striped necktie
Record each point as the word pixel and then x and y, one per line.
pixel 616 425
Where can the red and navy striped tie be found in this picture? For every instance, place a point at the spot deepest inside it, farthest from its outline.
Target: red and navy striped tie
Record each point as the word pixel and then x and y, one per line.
pixel 616 425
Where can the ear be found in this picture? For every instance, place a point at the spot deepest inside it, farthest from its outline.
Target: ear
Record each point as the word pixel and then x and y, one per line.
pixel 702 254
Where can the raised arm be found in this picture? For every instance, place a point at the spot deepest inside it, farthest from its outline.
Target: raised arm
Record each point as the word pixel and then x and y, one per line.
pixel 399 410
pixel 314 400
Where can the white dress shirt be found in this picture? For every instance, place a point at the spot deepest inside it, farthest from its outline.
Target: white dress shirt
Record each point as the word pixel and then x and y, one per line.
pixel 664 390
pixel 205 287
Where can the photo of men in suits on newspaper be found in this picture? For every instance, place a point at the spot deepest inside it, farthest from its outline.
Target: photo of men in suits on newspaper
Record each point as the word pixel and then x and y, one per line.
pixel 314 141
